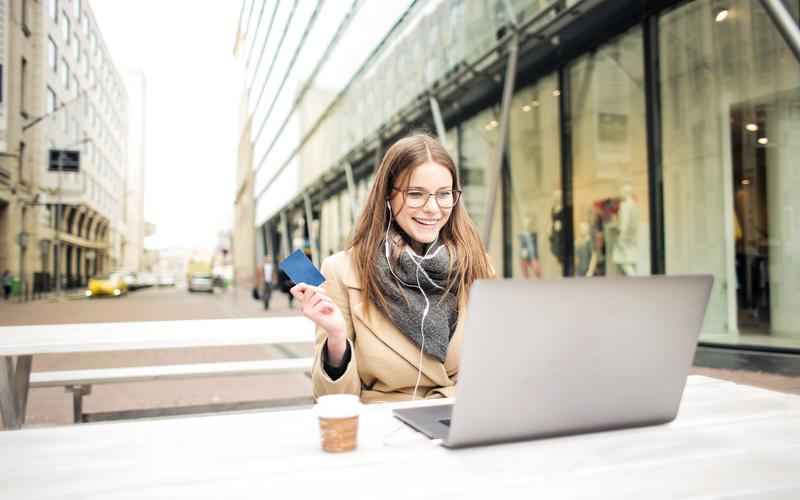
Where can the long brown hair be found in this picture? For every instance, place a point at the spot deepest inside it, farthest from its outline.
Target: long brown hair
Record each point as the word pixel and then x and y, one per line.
pixel 468 260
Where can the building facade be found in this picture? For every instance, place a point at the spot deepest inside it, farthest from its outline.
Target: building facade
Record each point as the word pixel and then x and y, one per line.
pixel 642 138
pixel 61 91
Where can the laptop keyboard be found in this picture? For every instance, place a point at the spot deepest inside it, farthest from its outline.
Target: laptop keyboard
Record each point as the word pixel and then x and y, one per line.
pixel 445 421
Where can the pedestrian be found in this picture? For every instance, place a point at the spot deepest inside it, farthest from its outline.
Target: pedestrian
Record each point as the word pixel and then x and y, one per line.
pixel 390 314
pixel 6 280
pixel 268 269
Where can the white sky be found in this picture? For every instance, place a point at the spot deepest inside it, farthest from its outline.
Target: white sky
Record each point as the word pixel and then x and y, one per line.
pixel 185 49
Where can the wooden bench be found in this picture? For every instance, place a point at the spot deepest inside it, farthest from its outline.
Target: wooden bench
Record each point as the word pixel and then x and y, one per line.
pixel 23 342
pixel 80 382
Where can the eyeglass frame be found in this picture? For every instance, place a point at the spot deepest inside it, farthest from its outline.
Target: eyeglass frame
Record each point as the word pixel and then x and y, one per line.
pixel 405 195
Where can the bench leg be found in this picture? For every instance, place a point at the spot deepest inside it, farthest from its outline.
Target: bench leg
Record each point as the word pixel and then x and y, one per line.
pixel 8 400
pixel 78 392
pixel 22 379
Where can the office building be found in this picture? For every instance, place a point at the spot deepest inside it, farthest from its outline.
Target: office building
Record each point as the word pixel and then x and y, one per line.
pixel 61 92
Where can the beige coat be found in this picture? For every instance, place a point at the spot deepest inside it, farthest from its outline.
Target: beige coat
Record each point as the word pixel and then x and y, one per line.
pixel 383 364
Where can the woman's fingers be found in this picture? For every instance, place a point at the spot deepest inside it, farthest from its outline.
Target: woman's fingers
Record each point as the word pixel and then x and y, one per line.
pixel 323 306
pixel 299 290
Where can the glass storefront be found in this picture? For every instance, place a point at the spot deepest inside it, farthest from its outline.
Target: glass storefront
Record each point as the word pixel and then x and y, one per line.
pixel 480 140
pixel 534 154
pixel 610 208
pixel 728 101
pixel 730 93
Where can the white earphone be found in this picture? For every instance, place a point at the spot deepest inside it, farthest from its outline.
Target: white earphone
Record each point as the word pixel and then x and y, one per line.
pixel 415 258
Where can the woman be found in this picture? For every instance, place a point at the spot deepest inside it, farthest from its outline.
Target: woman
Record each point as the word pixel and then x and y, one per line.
pixel 390 314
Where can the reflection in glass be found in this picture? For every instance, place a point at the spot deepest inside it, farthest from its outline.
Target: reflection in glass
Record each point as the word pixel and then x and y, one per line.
pixel 535 181
pixel 610 160
pixel 480 138
pixel 730 92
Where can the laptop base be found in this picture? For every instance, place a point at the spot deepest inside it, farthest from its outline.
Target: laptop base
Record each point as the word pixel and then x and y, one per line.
pixel 433 421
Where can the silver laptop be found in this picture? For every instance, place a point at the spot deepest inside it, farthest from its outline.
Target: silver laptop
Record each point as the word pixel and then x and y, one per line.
pixel 549 358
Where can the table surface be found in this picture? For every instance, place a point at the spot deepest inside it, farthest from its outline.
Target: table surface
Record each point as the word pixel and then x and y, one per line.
pixel 728 441
pixel 93 337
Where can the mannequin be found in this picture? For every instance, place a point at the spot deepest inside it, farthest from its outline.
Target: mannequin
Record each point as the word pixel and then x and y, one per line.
pixel 585 256
pixel 529 250
pixel 556 226
pixel 625 250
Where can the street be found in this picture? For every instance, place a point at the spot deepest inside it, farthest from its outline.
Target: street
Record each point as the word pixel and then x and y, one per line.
pixel 54 406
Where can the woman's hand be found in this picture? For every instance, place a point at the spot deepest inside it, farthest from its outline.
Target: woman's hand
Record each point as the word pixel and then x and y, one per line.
pixel 320 309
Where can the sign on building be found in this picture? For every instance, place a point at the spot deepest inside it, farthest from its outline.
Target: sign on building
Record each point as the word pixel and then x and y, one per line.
pixel 64 160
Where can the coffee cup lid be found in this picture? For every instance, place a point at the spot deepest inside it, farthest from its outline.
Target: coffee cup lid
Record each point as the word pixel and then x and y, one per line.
pixel 338 406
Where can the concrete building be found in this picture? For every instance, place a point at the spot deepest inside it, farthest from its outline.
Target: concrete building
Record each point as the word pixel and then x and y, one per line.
pixel 61 91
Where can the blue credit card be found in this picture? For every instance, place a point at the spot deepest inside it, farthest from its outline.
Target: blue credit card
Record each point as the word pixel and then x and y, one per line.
pixel 301 270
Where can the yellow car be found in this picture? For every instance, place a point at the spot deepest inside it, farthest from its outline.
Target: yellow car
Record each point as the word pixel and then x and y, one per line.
pixel 109 284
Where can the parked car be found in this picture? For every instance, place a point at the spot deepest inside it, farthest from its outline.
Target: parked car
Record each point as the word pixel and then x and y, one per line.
pixel 147 280
pixel 201 282
pixel 130 279
pixel 112 284
pixel 166 279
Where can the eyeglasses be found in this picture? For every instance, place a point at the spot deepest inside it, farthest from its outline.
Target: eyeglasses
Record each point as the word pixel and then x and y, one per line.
pixel 416 198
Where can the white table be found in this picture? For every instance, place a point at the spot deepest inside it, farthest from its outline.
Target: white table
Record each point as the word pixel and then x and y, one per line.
pixel 26 341
pixel 729 441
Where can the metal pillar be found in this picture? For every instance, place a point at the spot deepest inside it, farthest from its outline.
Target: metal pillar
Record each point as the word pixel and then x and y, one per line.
pixel 351 188
pixel 437 119
pixel 312 236
pixel 378 154
pixel 497 164
pixel 785 23
pixel 285 247
pixel 655 167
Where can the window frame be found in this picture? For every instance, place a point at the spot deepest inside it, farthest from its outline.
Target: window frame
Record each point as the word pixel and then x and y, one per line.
pixel 52 54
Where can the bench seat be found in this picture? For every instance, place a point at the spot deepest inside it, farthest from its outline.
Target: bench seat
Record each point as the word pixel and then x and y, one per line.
pixel 165 372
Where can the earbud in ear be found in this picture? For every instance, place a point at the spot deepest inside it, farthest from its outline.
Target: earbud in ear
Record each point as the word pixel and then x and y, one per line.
pixel 388 206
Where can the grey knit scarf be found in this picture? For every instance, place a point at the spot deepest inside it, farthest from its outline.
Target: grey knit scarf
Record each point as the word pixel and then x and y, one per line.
pixel 406 303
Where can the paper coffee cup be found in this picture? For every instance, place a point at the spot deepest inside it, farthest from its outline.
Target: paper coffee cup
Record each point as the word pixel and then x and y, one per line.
pixel 338 422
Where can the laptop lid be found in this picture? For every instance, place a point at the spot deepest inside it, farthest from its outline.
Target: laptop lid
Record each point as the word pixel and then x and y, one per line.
pixel 546 358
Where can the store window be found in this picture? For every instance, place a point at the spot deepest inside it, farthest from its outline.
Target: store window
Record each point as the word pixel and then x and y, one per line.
pixel 65 28
pixel 51 100
pixel 23 98
pixel 65 74
pixel 730 94
pixel 52 54
pixel 52 9
pixel 480 139
pixel 535 181
pixel 609 151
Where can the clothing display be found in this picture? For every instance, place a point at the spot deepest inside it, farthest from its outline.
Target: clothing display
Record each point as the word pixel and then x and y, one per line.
pixel 528 246
pixel 556 238
pixel 583 257
pixel 625 251
pixel 529 255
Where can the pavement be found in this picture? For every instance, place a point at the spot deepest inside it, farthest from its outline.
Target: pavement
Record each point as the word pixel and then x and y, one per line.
pixel 50 406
